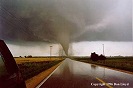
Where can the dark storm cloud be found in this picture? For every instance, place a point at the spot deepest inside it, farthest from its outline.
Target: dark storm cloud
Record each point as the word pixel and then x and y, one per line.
pixel 66 20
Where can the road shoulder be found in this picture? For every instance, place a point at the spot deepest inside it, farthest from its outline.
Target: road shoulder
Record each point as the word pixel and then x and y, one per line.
pixel 34 81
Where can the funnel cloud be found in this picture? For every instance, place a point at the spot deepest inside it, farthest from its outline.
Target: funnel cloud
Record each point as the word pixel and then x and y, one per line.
pixel 65 21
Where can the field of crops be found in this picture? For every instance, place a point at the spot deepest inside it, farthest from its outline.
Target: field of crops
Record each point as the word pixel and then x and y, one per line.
pixel 20 60
pixel 33 66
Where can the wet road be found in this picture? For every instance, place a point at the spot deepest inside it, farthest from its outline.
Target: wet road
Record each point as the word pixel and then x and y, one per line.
pixel 74 74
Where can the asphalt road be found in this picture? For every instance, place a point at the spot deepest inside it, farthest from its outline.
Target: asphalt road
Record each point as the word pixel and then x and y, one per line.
pixel 74 74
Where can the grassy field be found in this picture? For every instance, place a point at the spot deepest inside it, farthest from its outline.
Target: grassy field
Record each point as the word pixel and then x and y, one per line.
pixel 33 66
pixel 34 59
pixel 123 63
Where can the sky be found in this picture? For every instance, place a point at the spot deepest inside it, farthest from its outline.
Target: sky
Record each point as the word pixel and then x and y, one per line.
pixel 84 48
pixel 64 22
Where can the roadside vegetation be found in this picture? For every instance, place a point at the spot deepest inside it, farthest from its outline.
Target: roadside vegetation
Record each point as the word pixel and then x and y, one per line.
pixel 20 60
pixel 33 66
pixel 118 62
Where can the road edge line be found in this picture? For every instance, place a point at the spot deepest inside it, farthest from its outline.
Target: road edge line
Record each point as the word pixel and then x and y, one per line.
pixel 40 84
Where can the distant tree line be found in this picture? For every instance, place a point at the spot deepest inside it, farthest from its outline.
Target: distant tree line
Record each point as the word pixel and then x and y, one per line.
pixel 96 57
pixel 29 56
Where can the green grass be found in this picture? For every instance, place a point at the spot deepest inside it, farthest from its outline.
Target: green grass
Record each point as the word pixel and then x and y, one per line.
pixel 30 69
pixel 123 63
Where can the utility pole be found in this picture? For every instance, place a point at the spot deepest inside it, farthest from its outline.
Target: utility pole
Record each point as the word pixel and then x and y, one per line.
pixel 104 61
pixel 103 49
pixel 50 51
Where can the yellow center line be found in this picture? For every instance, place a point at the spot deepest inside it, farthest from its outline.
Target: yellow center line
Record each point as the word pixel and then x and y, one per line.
pixel 104 82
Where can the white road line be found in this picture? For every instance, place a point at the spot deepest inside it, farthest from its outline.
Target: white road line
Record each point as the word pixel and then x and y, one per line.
pixel 47 77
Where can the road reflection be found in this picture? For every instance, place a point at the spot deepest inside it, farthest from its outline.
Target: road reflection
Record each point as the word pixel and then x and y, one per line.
pixel 74 74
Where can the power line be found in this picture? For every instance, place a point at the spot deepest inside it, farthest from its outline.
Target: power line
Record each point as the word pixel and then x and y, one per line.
pixel 14 18
pixel 16 21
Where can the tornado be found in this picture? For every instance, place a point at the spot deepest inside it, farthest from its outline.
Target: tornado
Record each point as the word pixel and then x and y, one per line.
pixel 65 21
